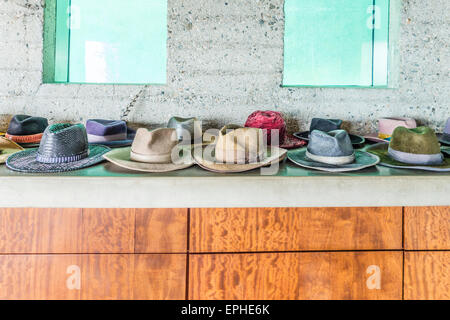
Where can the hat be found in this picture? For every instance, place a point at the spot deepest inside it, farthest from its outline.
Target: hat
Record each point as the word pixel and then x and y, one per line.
pixel 7 148
pixel 332 151
pixel 184 126
pixel 152 151
pixel 111 133
pixel 386 127
pixel 327 125
pixel 238 149
pixel 445 136
pixel 272 120
pixel 64 147
pixel 416 148
pixel 5 119
pixel 26 130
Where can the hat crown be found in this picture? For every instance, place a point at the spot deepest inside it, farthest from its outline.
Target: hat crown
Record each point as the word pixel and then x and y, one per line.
pixel 387 125
pixel 236 144
pixel 335 143
pixel 447 127
pixel 268 120
pixel 325 125
pixel 63 142
pixel 184 124
pixel 157 143
pixel 100 127
pixel 21 125
pixel 420 140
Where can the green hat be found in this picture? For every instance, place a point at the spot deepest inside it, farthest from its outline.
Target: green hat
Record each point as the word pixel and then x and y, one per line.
pixel 416 148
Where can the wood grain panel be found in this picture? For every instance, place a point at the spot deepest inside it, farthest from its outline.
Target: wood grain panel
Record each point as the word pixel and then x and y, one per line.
pixel 40 230
pixel 427 228
pixel 101 276
pixel 37 277
pixel 161 230
pixel 325 275
pixel 160 277
pixel 427 275
pixel 291 229
pixel 108 230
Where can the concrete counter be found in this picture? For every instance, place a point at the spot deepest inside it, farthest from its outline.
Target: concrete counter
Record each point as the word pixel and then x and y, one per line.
pixel 107 186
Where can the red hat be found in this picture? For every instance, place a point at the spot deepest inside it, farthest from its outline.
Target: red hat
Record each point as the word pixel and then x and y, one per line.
pixel 273 120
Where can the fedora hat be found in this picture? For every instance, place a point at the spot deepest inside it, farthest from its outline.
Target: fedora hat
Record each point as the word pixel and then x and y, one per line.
pixel 186 127
pixel 386 127
pixel 26 130
pixel 445 136
pixel 152 151
pixel 270 121
pixel 7 148
pixel 333 152
pixel 238 149
pixel 416 148
pixel 111 133
pixel 64 147
pixel 326 125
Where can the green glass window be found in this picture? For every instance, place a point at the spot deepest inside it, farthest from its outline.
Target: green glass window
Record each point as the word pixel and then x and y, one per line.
pixel 336 43
pixel 105 41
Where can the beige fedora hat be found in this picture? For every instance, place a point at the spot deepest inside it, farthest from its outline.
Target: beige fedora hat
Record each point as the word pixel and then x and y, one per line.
pixel 7 148
pixel 238 149
pixel 153 151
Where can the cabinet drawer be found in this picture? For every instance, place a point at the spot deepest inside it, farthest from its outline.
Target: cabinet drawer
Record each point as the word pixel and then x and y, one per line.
pixel 306 275
pixel 94 276
pixel 427 275
pixel 291 229
pixel 427 228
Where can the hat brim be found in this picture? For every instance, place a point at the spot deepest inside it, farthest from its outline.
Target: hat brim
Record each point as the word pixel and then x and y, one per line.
pixel 443 138
pixel 446 151
pixel 381 150
pixel 274 155
pixel 121 157
pixel 362 160
pixel 353 137
pixel 25 161
pixel 291 142
pixel 374 138
pixel 8 149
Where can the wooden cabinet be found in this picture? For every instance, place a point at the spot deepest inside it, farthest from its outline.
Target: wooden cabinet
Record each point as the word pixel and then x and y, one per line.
pixel 318 275
pixel 292 229
pixel 427 228
pixel 254 253
pixel 427 275
pixel 93 276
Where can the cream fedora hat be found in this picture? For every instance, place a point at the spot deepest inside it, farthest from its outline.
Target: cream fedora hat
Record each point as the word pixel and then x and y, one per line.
pixel 238 149
pixel 153 151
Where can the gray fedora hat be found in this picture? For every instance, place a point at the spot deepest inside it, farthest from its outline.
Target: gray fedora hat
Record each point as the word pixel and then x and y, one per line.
pixel 185 126
pixel 64 147
pixel 333 152
pixel 445 136
pixel 327 125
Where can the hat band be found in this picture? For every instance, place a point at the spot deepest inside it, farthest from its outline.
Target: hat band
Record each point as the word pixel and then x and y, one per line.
pixel 65 159
pixel 92 138
pixel 32 138
pixel 419 159
pixel 331 160
pixel 151 158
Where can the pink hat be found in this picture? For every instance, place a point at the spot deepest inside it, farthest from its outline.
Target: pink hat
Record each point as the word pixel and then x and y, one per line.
pixel 386 127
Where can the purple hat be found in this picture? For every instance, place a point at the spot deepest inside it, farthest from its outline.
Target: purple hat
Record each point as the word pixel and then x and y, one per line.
pixel 445 136
pixel 111 133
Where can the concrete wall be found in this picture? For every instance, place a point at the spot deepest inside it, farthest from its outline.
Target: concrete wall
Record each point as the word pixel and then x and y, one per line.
pixel 225 59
